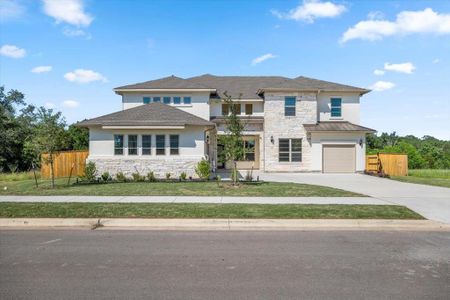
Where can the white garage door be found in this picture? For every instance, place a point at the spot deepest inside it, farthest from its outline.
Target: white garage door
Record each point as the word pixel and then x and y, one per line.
pixel 339 159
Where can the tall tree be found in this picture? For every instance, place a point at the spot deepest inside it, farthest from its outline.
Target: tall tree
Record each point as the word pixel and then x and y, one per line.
pixel 49 137
pixel 233 144
pixel 78 138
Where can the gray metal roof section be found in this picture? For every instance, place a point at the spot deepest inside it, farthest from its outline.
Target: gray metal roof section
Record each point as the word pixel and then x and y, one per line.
pixel 153 114
pixel 327 126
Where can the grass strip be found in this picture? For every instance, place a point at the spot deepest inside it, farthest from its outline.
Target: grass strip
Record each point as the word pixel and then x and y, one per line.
pixel 261 189
pixel 195 210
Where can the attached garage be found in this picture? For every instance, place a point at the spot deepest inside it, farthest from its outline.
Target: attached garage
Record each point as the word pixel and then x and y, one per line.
pixel 339 159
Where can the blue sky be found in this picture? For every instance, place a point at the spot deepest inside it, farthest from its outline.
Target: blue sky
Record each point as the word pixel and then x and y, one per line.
pixel 70 54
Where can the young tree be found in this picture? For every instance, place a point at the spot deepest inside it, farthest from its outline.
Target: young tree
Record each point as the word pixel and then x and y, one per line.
pixel 233 144
pixel 49 136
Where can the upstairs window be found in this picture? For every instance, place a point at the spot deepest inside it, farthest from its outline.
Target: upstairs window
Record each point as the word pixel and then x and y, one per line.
pixel 289 106
pixel 166 100
pixel 156 99
pixel 237 108
pixel 174 144
pixel 290 150
pixel 176 100
pixel 118 144
pixel 187 100
pixel 225 109
pixel 336 107
pixel 146 100
pixel 146 145
pixel 132 145
pixel 160 145
pixel 249 109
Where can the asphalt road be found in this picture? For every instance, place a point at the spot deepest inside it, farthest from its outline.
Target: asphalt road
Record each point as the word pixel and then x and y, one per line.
pixel 76 264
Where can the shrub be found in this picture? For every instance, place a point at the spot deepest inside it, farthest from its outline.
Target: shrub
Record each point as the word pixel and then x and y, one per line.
pixel 137 177
pixel 106 177
pixel 90 171
pixel 121 177
pixel 183 176
pixel 167 176
pixel 203 169
pixel 151 176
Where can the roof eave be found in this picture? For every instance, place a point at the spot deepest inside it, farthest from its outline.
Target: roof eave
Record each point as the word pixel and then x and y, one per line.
pixel 122 90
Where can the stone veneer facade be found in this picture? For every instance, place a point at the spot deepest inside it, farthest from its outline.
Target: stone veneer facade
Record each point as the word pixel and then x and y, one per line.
pixel 277 125
pixel 174 166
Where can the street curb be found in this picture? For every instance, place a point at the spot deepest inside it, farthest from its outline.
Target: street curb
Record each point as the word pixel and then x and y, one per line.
pixel 223 224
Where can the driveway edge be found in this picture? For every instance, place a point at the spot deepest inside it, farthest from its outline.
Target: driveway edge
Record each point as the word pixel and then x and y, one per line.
pixel 223 224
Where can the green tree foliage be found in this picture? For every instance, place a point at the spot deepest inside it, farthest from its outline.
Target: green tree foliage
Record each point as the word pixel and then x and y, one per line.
pixel 19 122
pixel 78 138
pixel 426 152
pixel 233 144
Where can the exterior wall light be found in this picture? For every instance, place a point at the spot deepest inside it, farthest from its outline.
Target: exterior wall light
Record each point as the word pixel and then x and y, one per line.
pixel 271 139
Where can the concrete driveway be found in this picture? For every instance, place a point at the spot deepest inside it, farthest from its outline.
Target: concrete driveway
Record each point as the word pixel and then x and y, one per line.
pixel 429 201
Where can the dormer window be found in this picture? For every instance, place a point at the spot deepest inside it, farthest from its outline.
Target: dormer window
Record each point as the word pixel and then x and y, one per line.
pixel 336 107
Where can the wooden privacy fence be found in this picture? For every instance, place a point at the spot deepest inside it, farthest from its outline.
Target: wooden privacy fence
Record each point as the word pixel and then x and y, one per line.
pixel 63 163
pixel 391 164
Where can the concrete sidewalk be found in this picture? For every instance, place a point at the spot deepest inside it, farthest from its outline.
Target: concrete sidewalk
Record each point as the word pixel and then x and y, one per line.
pixel 222 224
pixel 197 199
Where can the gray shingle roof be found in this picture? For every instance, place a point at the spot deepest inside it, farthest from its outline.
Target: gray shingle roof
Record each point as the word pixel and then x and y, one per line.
pixel 307 82
pixel 245 87
pixel 153 114
pixel 335 126
pixel 171 82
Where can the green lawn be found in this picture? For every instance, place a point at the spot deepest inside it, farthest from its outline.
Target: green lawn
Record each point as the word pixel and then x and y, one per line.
pixel 194 210
pixel 427 176
pixel 27 187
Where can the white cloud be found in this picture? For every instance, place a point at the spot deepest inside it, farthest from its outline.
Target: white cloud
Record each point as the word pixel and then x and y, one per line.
pixel 70 104
pixel 68 11
pixel 12 51
pixel 49 105
pixel 378 72
pixel 380 86
pixel 436 61
pixel 41 69
pixel 84 76
pixel 406 22
pixel 262 58
pixel 310 10
pixel 406 68
pixel 76 32
pixel 10 9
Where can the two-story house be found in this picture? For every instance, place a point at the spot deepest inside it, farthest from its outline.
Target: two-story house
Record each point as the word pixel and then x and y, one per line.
pixel 291 125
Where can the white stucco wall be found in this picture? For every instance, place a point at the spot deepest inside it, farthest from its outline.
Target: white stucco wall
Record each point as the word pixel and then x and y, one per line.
pixel 191 143
pixel 319 139
pixel 350 107
pixel 198 107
